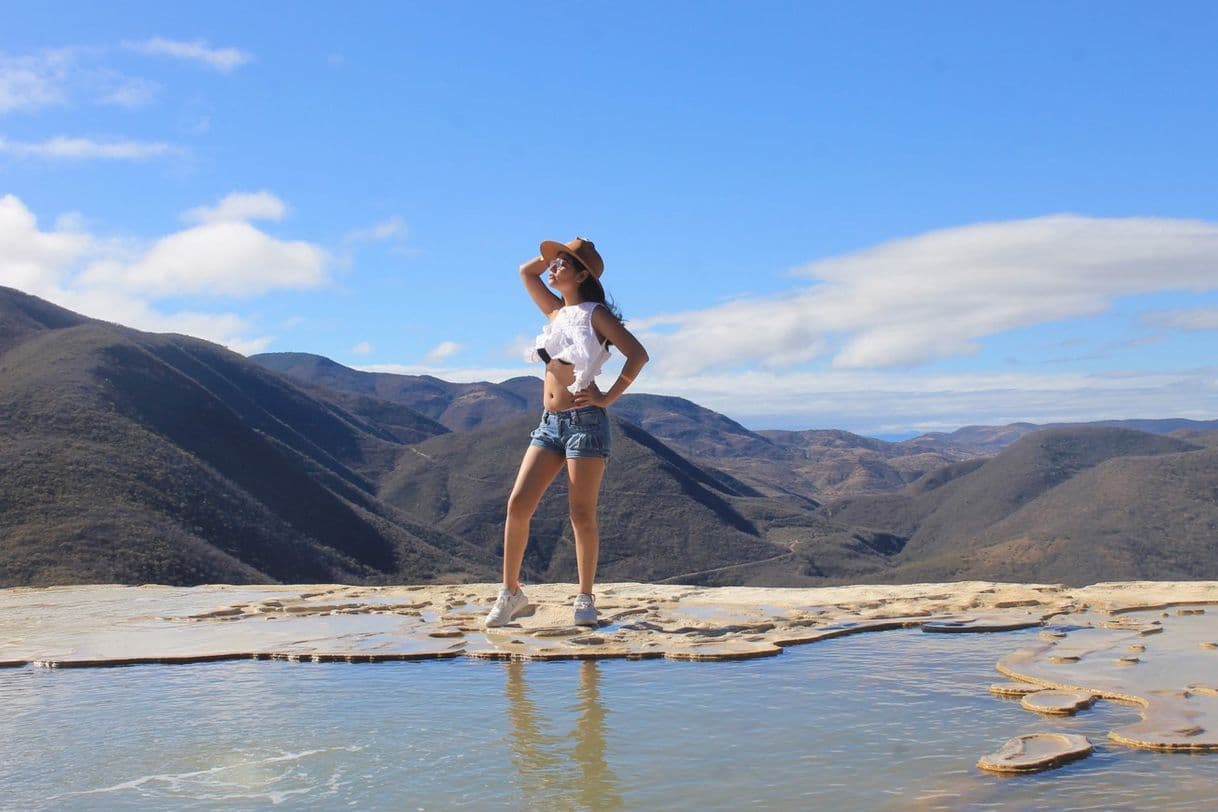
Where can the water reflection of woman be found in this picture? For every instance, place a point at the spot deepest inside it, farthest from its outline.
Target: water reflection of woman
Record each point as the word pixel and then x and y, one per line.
pixel 545 777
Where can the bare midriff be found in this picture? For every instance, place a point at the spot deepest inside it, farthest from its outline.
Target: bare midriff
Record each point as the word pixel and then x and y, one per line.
pixel 555 395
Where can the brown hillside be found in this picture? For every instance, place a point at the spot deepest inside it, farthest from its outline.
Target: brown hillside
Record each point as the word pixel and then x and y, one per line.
pixel 661 516
pixel 134 457
pixel 961 509
pixel 457 406
pixel 1130 518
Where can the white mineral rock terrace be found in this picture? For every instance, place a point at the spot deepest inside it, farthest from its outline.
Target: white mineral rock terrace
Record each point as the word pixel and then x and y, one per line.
pixel 1057 702
pixel 1153 655
pixel 1151 643
pixel 1036 751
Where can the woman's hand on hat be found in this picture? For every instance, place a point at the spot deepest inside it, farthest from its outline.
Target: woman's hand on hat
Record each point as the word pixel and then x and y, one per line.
pixel 534 267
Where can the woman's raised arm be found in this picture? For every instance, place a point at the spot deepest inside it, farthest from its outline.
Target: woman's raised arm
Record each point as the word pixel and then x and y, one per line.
pixel 530 274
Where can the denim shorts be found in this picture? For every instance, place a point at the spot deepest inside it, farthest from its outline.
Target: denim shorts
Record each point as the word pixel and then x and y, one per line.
pixel 574 432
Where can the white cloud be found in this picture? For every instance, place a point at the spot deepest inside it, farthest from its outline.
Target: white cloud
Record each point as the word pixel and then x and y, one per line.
pixel 70 221
pixel 362 348
pixel 30 259
pixel 883 402
pixel 876 402
pixel 225 259
pixel 36 81
pixel 454 374
pixel 915 300
pixel 1184 319
pixel 81 149
pixel 239 206
pixel 121 280
pixel 392 228
pixel 441 352
pixel 129 92
pixel 223 255
pixel 55 77
pixel 224 60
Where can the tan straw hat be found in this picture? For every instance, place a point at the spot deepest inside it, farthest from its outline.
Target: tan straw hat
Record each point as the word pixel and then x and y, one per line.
pixel 581 248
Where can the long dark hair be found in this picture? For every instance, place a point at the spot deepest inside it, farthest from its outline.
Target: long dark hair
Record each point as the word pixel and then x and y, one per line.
pixel 591 290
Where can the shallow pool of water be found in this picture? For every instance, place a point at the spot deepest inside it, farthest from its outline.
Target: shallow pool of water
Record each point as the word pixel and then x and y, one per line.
pixel 891 720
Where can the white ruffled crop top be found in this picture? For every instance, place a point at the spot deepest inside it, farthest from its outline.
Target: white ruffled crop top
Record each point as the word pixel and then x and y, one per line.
pixel 570 337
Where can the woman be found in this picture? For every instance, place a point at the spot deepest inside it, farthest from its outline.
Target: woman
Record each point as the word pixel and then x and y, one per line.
pixel 574 428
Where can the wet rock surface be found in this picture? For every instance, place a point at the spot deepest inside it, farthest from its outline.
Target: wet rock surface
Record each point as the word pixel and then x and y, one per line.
pixel 1016 689
pixel 1148 657
pixel 117 625
pixel 1058 703
pixel 1148 643
pixel 1036 751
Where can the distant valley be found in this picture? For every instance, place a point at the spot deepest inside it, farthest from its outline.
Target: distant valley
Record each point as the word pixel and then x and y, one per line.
pixel 133 457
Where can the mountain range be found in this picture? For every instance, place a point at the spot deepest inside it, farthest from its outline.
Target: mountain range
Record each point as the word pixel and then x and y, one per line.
pixel 135 457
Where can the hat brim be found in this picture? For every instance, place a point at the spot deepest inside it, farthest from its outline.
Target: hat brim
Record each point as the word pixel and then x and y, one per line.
pixel 550 249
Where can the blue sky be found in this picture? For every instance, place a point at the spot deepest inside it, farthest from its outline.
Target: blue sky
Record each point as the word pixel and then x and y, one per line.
pixel 884 217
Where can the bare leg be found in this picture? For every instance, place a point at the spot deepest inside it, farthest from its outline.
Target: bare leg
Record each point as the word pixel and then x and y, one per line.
pixel 537 471
pixel 584 476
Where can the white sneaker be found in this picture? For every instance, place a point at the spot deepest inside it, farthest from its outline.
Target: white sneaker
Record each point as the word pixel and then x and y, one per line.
pixel 507 606
pixel 585 610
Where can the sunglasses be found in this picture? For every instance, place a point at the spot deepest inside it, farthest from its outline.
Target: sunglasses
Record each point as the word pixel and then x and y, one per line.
pixel 558 263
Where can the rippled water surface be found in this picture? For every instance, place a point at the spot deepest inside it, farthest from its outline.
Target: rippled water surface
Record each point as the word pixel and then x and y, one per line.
pixel 894 720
